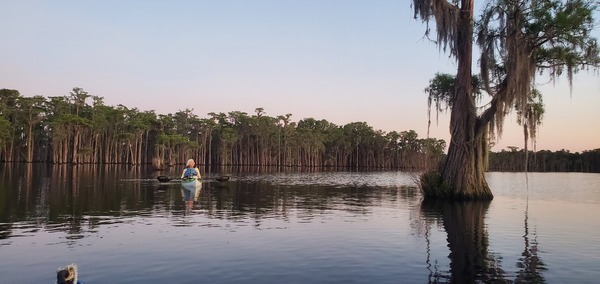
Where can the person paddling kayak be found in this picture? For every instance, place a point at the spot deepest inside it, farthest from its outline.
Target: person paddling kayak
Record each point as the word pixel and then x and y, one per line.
pixel 191 172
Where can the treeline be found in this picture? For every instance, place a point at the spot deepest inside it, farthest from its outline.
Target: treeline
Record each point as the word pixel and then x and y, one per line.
pixel 80 129
pixel 545 161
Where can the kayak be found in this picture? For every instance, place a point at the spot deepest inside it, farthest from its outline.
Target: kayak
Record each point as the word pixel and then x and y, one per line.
pixel 190 189
pixel 191 184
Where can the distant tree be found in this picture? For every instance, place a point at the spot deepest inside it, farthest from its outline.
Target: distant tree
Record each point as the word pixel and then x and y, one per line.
pixel 33 113
pixel 9 111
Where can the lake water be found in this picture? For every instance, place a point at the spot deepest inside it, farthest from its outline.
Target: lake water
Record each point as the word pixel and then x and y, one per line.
pixel 120 225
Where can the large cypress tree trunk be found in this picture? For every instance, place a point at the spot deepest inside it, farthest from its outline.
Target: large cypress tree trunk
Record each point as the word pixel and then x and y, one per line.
pixel 464 168
pixel 462 174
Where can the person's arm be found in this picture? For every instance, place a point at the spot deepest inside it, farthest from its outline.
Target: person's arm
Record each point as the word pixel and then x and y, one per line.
pixel 198 171
pixel 183 173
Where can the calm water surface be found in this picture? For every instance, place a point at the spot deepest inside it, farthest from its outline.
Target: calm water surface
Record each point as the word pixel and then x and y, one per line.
pixel 120 225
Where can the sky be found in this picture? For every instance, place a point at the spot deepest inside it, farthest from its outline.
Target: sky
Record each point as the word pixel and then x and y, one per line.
pixel 340 60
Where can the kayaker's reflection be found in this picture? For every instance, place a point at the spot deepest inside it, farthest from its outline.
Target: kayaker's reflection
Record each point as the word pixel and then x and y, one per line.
pixel 190 194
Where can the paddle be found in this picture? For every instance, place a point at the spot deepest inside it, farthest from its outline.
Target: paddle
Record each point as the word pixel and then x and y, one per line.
pixel 222 178
pixel 168 179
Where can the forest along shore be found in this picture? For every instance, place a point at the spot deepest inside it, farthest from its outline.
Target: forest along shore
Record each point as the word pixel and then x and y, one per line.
pixel 80 129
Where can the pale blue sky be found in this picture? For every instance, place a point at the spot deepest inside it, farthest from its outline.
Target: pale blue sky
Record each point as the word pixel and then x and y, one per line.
pixel 342 60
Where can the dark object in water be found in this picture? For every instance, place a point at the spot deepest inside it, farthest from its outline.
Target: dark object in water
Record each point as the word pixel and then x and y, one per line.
pixel 222 178
pixel 163 178
pixel 67 275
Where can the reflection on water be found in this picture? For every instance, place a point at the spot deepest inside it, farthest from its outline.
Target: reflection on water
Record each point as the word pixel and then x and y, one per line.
pixel 530 265
pixel 470 258
pixel 294 227
pixel 60 198
pixel 75 198
pixel 467 240
pixel 190 195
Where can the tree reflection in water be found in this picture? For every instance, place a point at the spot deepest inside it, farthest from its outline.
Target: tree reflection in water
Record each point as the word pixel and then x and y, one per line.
pixel 530 265
pixel 78 200
pixel 470 258
pixel 67 198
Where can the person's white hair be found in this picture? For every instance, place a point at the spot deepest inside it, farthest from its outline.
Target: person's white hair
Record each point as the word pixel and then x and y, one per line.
pixel 189 162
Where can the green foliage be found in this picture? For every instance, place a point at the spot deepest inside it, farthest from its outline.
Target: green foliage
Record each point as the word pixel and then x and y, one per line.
pixel 170 140
pixel 5 131
pixel 433 186
pixel 70 129
pixel 563 30
pixel 8 102
pixel 545 161
pixel 441 88
pixel 119 134
pixel 552 36
pixel 440 93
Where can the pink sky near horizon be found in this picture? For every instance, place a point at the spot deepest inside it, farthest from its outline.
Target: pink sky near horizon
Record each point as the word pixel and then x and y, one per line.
pixel 343 61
